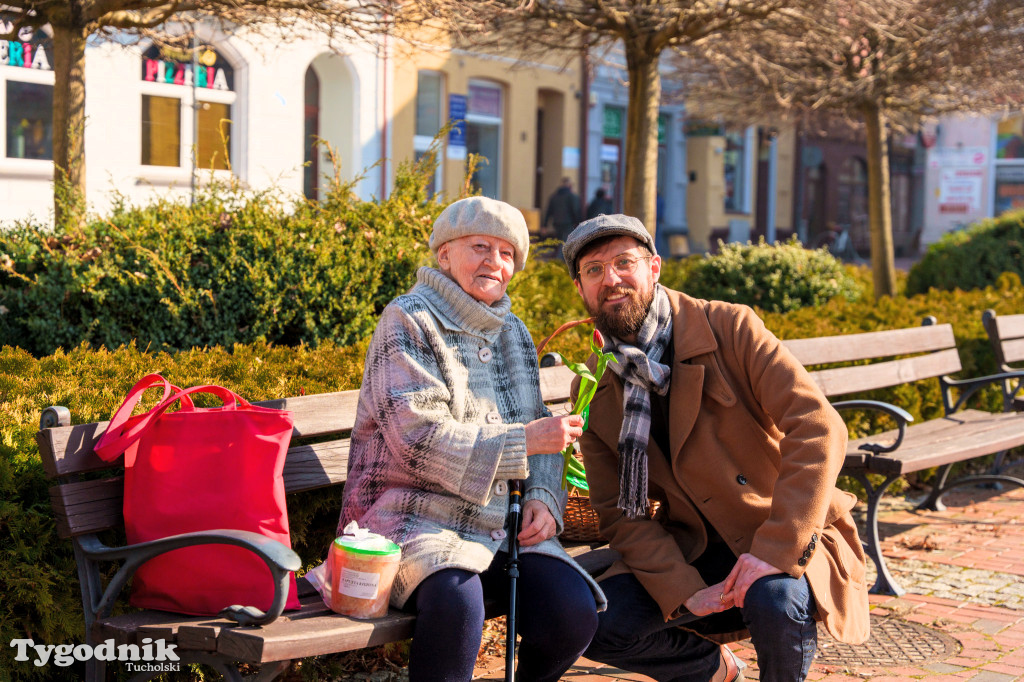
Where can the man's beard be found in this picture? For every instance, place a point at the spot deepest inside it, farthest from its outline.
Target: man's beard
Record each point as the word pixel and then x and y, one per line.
pixel 625 319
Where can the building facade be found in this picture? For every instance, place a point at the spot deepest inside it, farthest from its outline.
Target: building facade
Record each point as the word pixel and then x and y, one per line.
pixel 161 121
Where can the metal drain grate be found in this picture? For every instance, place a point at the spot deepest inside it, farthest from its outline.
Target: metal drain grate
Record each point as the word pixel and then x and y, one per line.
pixel 893 642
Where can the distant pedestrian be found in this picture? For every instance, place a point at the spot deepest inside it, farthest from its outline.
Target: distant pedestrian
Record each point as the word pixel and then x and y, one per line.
pixel 599 205
pixel 563 212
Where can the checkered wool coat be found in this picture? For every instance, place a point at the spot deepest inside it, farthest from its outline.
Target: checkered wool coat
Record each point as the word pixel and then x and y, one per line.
pixel 448 387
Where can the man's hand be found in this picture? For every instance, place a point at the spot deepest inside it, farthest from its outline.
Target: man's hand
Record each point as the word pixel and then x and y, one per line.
pixel 538 523
pixel 709 600
pixel 746 572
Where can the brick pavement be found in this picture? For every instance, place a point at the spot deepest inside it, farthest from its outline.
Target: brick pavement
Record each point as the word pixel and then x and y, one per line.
pixel 963 569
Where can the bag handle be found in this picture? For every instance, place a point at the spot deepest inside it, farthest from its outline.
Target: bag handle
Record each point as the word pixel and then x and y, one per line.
pixel 124 431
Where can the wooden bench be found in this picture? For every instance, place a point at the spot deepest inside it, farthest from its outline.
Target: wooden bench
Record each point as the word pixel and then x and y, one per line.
pixel 854 363
pixel 1006 334
pixel 85 505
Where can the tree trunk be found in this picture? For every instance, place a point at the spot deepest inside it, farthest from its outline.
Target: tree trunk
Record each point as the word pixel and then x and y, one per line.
pixel 883 265
pixel 641 158
pixel 68 125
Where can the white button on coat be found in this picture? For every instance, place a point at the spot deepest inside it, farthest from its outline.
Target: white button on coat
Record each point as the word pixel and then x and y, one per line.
pixel 498 534
pixel 501 488
pixel 493 418
pixel 485 354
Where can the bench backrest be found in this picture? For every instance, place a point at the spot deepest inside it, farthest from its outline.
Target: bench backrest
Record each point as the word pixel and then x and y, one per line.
pixel 91 506
pixel 1006 333
pixel 896 357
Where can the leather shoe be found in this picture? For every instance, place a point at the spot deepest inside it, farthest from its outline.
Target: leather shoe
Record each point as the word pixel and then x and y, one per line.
pixel 729 668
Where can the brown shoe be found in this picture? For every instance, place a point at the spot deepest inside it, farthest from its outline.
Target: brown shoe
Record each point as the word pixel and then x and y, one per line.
pixel 729 669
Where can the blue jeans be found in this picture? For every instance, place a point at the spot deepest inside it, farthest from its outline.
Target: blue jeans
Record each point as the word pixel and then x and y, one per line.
pixel 633 635
pixel 557 618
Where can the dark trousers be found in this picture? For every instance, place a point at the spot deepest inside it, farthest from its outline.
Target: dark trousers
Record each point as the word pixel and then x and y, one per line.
pixel 557 618
pixel 632 634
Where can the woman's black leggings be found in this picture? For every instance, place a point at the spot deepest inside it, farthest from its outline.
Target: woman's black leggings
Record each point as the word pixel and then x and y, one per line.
pixel 557 619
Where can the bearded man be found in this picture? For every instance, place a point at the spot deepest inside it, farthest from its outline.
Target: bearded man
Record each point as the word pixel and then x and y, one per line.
pixel 707 413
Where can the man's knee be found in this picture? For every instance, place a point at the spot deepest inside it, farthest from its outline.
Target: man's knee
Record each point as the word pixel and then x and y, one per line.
pixel 776 598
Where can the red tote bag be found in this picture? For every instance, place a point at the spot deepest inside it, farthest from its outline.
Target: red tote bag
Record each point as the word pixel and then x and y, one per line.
pixel 200 469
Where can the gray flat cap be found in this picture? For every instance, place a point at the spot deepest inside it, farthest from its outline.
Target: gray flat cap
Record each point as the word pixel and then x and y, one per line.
pixel 481 215
pixel 603 226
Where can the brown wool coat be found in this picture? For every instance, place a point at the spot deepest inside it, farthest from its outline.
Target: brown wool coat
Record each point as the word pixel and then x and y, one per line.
pixel 756 450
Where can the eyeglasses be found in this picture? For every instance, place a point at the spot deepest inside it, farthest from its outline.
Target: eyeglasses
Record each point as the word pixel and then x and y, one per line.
pixel 623 265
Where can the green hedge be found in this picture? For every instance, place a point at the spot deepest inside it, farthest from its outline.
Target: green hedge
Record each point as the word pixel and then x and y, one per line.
pixel 233 268
pixel 971 258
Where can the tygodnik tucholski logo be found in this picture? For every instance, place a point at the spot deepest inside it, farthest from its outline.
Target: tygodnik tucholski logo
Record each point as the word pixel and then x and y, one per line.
pixel 151 656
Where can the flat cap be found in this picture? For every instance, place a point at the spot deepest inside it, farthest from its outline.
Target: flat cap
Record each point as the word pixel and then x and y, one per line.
pixel 603 226
pixel 482 215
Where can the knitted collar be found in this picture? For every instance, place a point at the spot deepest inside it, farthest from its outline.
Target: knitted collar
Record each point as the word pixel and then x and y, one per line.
pixel 456 309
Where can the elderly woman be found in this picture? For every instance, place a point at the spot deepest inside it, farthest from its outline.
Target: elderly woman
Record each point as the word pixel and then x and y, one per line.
pixel 449 412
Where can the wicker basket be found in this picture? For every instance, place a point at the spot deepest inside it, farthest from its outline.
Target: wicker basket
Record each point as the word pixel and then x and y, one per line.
pixel 579 522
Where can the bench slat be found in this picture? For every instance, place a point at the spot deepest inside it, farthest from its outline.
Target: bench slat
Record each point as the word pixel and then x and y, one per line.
pixel 1013 350
pixel 843 380
pixel 851 347
pixel 1010 326
pixel 967 434
pixel 68 450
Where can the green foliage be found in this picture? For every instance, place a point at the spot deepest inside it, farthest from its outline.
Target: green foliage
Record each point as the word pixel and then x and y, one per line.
pixel 971 258
pixel 772 277
pixel 232 268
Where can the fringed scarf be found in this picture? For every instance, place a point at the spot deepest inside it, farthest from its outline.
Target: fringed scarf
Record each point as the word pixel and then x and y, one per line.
pixel 641 372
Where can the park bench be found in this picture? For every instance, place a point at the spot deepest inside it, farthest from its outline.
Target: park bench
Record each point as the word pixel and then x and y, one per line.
pixel 86 505
pixel 855 363
pixel 1006 333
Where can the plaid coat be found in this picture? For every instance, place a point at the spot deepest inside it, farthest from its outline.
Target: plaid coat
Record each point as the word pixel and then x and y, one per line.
pixel 448 387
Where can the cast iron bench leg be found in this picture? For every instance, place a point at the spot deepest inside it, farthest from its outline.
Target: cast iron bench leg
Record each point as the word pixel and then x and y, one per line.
pixel 939 489
pixel 884 582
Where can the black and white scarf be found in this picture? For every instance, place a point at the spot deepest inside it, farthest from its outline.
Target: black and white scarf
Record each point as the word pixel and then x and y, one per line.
pixel 641 372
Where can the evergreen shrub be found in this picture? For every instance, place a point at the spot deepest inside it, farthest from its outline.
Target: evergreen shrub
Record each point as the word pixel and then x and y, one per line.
pixel 772 277
pixel 232 268
pixel 971 258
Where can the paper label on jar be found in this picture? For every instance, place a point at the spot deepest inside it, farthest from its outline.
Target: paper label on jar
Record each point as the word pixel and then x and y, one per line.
pixel 358 584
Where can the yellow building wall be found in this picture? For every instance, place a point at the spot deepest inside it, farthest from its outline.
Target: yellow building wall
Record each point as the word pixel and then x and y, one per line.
pixel 525 87
pixel 705 198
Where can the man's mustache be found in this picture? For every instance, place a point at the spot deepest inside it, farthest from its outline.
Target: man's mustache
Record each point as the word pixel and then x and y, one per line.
pixel 615 291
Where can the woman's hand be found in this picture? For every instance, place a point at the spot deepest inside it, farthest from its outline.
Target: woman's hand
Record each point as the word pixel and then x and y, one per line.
pixel 538 523
pixel 552 434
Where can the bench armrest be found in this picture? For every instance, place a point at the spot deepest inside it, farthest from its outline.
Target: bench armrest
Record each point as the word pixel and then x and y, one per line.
pixel 968 387
pixel 280 559
pixel 901 416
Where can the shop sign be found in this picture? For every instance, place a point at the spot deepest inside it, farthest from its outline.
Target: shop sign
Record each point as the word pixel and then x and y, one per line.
pixel 1009 189
pixel 960 190
pixel 457 131
pixel 697 128
pixel 29 52
pixel 612 122
pixel 174 67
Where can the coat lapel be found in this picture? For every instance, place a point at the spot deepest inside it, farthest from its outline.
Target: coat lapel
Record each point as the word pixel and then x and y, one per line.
pixel 694 373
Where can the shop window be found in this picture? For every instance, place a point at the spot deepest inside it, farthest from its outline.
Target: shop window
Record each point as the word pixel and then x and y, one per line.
pixel 611 153
pixel 1009 189
pixel 161 131
pixel 29 120
pixel 172 82
pixel 429 118
pixel 483 135
pixel 214 136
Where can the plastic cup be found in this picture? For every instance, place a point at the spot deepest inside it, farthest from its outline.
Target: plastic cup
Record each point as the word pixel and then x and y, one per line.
pixel 362 572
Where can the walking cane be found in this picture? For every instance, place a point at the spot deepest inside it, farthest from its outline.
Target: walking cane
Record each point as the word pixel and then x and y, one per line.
pixel 515 517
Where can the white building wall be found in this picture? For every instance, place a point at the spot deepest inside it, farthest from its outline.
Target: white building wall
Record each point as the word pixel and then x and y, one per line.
pixel 267 124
